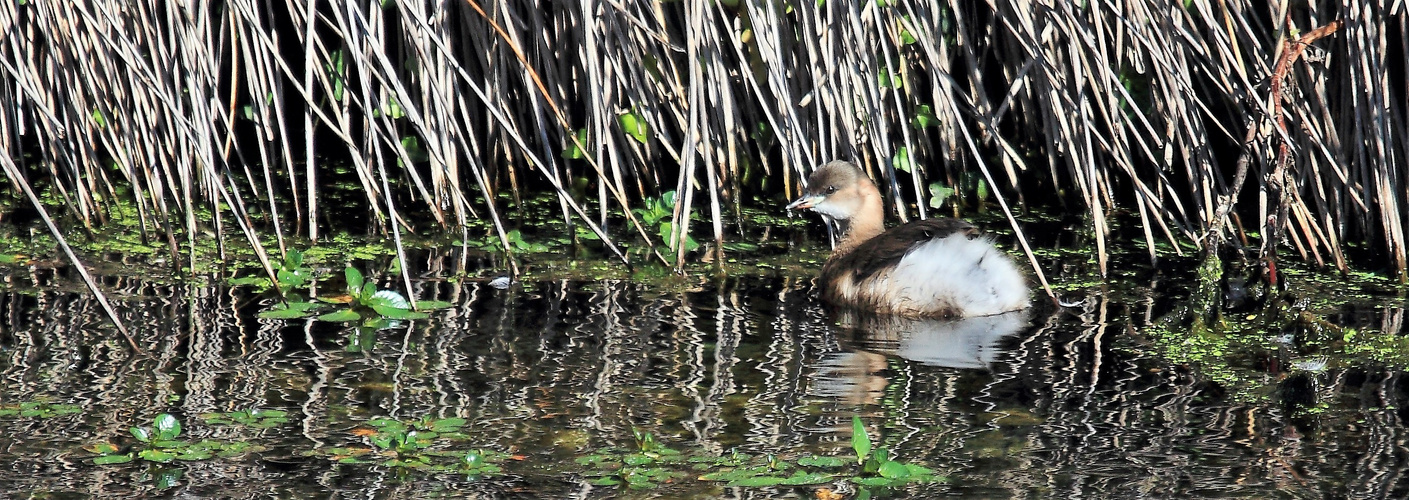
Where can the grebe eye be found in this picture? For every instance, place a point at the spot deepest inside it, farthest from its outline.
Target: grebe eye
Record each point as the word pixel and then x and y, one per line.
pixel 831 189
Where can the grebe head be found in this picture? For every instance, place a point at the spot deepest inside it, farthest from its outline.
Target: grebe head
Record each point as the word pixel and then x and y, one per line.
pixel 837 190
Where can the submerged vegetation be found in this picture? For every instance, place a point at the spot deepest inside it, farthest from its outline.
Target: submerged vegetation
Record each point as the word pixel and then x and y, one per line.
pixel 437 445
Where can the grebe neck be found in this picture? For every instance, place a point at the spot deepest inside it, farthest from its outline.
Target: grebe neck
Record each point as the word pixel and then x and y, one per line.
pixel 868 222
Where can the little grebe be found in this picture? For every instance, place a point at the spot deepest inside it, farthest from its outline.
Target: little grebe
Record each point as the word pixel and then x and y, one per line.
pixel 928 268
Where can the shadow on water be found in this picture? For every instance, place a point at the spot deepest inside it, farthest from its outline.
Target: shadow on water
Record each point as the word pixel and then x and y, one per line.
pixel 1046 403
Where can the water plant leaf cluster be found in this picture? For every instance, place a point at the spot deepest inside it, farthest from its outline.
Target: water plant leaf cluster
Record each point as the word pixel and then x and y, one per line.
pixel 652 464
pixel 362 301
pixel 654 213
pixel 160 443
pixel 419 444
pixel 257 418
pixel 434 445
pixel 38 409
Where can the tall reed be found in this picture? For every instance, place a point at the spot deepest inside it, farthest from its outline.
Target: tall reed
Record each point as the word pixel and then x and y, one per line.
pixel 244 110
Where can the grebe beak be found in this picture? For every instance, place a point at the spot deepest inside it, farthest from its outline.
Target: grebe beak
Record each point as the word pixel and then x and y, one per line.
pixel 805 202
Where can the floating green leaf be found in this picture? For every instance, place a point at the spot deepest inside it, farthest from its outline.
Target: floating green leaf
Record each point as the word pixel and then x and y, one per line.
pixel 290 310
pixel 156 455
pixel 342 316
pixel 758 481
pixel 894 470
pixel 801 478
pixel 816 461
pixel 112 459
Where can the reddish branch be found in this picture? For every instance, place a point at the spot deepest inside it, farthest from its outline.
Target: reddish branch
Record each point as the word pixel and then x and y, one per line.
pixel 1292 50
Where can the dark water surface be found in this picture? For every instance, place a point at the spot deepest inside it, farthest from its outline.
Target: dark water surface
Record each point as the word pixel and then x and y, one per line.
pixel 1078 403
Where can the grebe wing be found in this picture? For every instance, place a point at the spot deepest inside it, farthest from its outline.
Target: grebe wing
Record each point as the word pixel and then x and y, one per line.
pixel 886 250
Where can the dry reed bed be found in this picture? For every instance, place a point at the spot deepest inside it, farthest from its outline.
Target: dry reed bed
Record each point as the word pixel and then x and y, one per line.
pixel 1140 105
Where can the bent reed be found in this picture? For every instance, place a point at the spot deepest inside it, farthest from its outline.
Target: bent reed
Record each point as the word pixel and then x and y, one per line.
pixel 239 112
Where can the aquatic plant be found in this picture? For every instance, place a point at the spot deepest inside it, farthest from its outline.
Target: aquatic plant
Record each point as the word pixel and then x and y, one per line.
pixel 652 464
pixel 291 275
pixel 38 409
pixel 418 444
pixel 655 212
pixel 363 299
pixel 159 443
pixel 257 418
pixel 877 468
pixel 648 466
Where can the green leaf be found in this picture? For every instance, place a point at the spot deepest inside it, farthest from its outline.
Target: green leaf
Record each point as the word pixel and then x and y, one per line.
pixel 924 117
pixel 398 313
pixel 860 442
pixel 197 454
pixel 635 126
pixel 289 279
pixel 354 281
pixel 167 426
pixel 731 475
pixel 939 193
pixel 112 459
pixel 293 259
pixel 916 470
pixel 801 478
pixel 448 423
pixel 388 299
pixel 412 145
pixel 886 80
pixel 757 481
pixel 816 461
pixel 102 448
pixel 289 311
pixel 393 108
pixel 894 470
pixel 901 160
pixel 269 413
pixel 341 316
pixel 336 67
pixel 157 456
pixel 666 228
pixel 877 481
pixel 587 234
pixel 141 433
pixel 572 152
